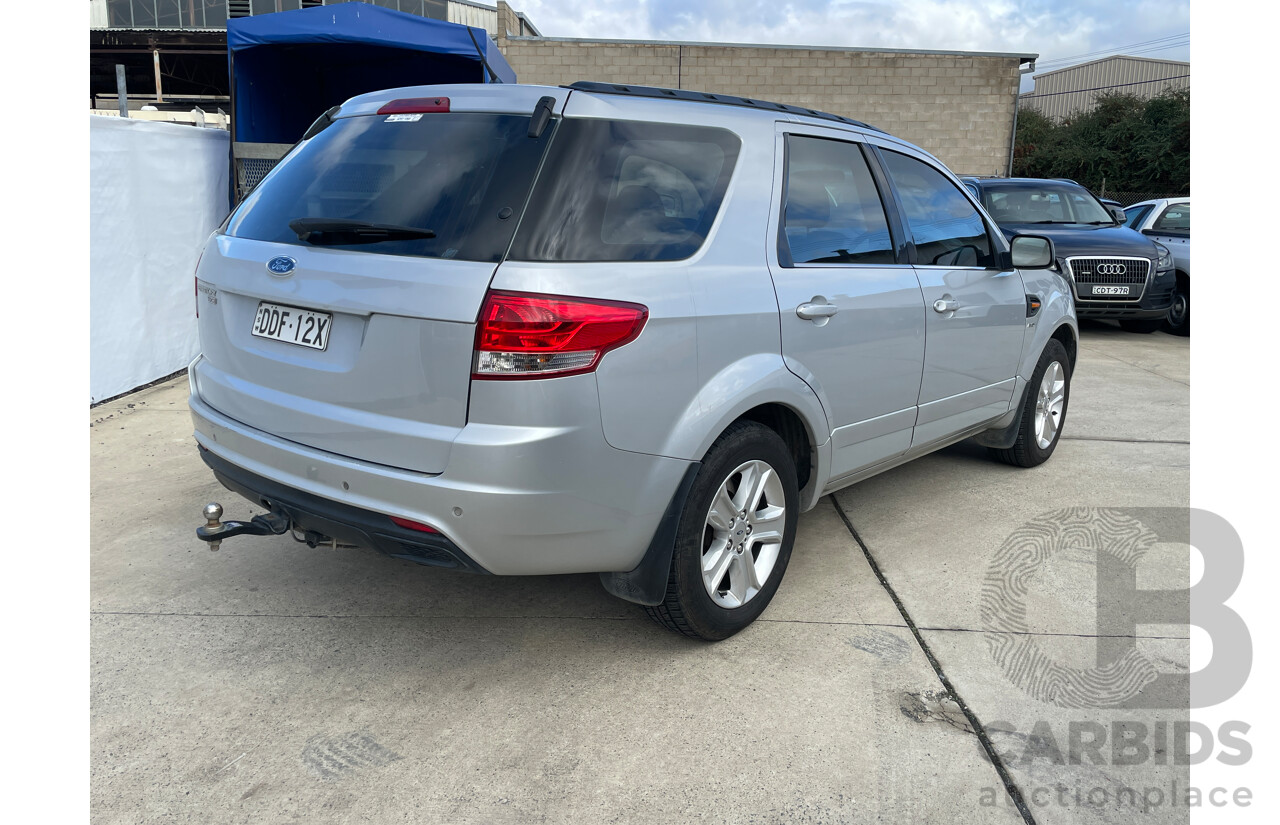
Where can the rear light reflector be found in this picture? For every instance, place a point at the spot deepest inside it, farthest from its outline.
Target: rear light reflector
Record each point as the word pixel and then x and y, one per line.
pixel 410 524
pixel 521 335
pixel 413 105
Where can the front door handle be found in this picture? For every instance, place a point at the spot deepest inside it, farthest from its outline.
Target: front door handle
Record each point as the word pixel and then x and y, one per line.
pixel 945 305
pixel 812 310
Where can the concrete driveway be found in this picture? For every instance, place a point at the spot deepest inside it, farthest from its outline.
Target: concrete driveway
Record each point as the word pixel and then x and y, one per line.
pixel 271 682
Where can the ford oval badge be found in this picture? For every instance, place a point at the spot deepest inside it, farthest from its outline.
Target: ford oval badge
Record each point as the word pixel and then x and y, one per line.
pixel 281 265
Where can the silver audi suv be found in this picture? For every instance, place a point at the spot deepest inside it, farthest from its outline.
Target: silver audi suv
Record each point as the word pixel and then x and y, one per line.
pixel 622 330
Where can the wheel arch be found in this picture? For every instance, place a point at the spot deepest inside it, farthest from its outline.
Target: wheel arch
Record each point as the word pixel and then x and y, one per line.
pixel 760 388
pixel 794 432
pixel 1067 337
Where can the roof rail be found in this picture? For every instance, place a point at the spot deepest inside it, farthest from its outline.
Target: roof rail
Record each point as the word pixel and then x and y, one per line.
pixel 707 97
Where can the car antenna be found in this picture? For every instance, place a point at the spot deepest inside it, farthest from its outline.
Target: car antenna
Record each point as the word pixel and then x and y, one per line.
pixel 541 116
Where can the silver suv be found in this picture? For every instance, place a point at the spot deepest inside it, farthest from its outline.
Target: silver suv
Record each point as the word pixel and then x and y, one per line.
pixel 637 332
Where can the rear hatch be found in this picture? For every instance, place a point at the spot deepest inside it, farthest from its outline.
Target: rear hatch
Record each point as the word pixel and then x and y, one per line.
pixel 352 331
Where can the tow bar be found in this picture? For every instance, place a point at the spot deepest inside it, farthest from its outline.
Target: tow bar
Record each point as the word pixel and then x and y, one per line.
pixel 214 531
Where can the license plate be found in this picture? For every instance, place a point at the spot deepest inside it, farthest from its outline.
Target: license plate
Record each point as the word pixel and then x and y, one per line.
pixel 1110 290
pixel 292 325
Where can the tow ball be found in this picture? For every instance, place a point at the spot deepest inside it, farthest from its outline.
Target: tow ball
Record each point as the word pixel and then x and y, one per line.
pixel 214 530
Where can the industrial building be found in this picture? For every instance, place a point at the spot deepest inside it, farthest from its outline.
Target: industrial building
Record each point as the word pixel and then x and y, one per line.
pixel 1063 92
pixel 958 105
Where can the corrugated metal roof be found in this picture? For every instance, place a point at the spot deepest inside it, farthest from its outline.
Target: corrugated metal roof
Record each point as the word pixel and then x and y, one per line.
pixel 1077 66
pixel 1075 89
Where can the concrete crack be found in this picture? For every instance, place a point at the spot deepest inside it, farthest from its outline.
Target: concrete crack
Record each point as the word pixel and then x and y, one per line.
pixel 951 695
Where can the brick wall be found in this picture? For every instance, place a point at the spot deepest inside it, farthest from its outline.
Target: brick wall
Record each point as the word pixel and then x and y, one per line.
pixel 959 107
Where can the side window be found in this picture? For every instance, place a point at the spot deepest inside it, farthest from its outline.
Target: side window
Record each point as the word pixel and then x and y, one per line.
pixel 620 190
pixel 1176 218
pixel 1134 215
pixel 945 227
pixel 833 213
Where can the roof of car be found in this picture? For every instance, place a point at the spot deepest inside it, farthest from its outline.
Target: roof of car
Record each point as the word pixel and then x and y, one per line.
pixel 1183 199
pixel 707 97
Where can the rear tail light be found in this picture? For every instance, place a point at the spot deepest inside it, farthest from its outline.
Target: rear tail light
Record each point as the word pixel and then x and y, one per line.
pixel 410 524
pixel 520 335
pixel 414 105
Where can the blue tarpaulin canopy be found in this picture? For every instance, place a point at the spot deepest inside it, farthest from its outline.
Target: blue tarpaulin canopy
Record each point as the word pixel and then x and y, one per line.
pixel 289 67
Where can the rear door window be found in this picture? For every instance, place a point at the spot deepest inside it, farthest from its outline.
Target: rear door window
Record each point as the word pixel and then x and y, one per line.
pixel 945 227
pixel 833 212
pixel 464 176
pixel 615 190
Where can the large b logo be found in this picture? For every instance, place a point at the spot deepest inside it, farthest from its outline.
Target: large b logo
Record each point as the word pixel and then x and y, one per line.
pixel 1123 676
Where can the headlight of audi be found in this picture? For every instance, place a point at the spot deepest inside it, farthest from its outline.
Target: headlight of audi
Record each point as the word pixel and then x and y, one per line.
pixel 1164 258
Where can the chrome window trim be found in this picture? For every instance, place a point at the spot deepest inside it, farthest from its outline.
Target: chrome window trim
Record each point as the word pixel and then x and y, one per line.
pixel 811 265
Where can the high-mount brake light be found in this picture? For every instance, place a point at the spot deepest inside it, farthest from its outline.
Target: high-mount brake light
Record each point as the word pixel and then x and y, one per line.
pixel 521 335
pixel 415 105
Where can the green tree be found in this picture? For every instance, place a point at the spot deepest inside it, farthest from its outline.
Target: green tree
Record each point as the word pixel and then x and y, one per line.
pixel 1134 145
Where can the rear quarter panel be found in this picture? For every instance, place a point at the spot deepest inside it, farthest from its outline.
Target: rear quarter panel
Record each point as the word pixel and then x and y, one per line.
pixel 711 348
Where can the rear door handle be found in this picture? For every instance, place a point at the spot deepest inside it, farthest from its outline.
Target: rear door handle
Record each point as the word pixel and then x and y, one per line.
pixel 945 305
pixel 813 310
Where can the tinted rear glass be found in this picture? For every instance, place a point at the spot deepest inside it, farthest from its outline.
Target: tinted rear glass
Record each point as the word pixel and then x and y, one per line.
pixel 464 176
pixel 614 190
pixel 1176 218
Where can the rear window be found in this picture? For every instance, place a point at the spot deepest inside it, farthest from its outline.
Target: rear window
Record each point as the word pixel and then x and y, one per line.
pixel 1176 218
pixel 464 176
pixel 613 190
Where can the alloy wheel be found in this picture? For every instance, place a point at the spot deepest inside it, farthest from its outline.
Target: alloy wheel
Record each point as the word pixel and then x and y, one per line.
pixel 743 534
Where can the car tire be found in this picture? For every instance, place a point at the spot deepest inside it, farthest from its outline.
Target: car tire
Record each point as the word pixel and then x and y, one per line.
pixel 1142 325
pixel 1044 410
pixel 742 546
pixel 1178 321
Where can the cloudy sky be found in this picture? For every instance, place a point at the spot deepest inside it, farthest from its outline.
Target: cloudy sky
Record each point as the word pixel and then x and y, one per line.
pixel 1060 31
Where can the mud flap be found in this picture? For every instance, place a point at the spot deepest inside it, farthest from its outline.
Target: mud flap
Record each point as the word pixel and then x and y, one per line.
pixel 647 583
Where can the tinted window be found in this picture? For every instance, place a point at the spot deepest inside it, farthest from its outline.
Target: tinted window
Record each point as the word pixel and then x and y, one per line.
pixel 833 213
pixel 1043 202
pixel 463 176
pixel 1176 218
pixel 1134 215
pixel 946 228
pixel 614 190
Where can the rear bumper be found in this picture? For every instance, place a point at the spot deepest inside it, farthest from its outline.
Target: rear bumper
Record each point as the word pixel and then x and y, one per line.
pixel 346 524
pixel 512 500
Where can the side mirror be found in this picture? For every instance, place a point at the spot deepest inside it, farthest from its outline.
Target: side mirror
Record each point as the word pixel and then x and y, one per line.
pixel 1118 213
pixel 1031 252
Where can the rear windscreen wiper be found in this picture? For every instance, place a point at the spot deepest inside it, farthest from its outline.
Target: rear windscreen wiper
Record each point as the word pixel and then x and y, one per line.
pixel 345 231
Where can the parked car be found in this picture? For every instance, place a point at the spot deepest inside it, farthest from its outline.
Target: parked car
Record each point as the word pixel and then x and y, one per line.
pixel 1168 221
pixel 528 330
pixel 1115 273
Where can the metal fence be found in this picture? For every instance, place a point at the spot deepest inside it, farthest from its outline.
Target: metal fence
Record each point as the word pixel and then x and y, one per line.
pixel 1130 198
pixel 252 163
